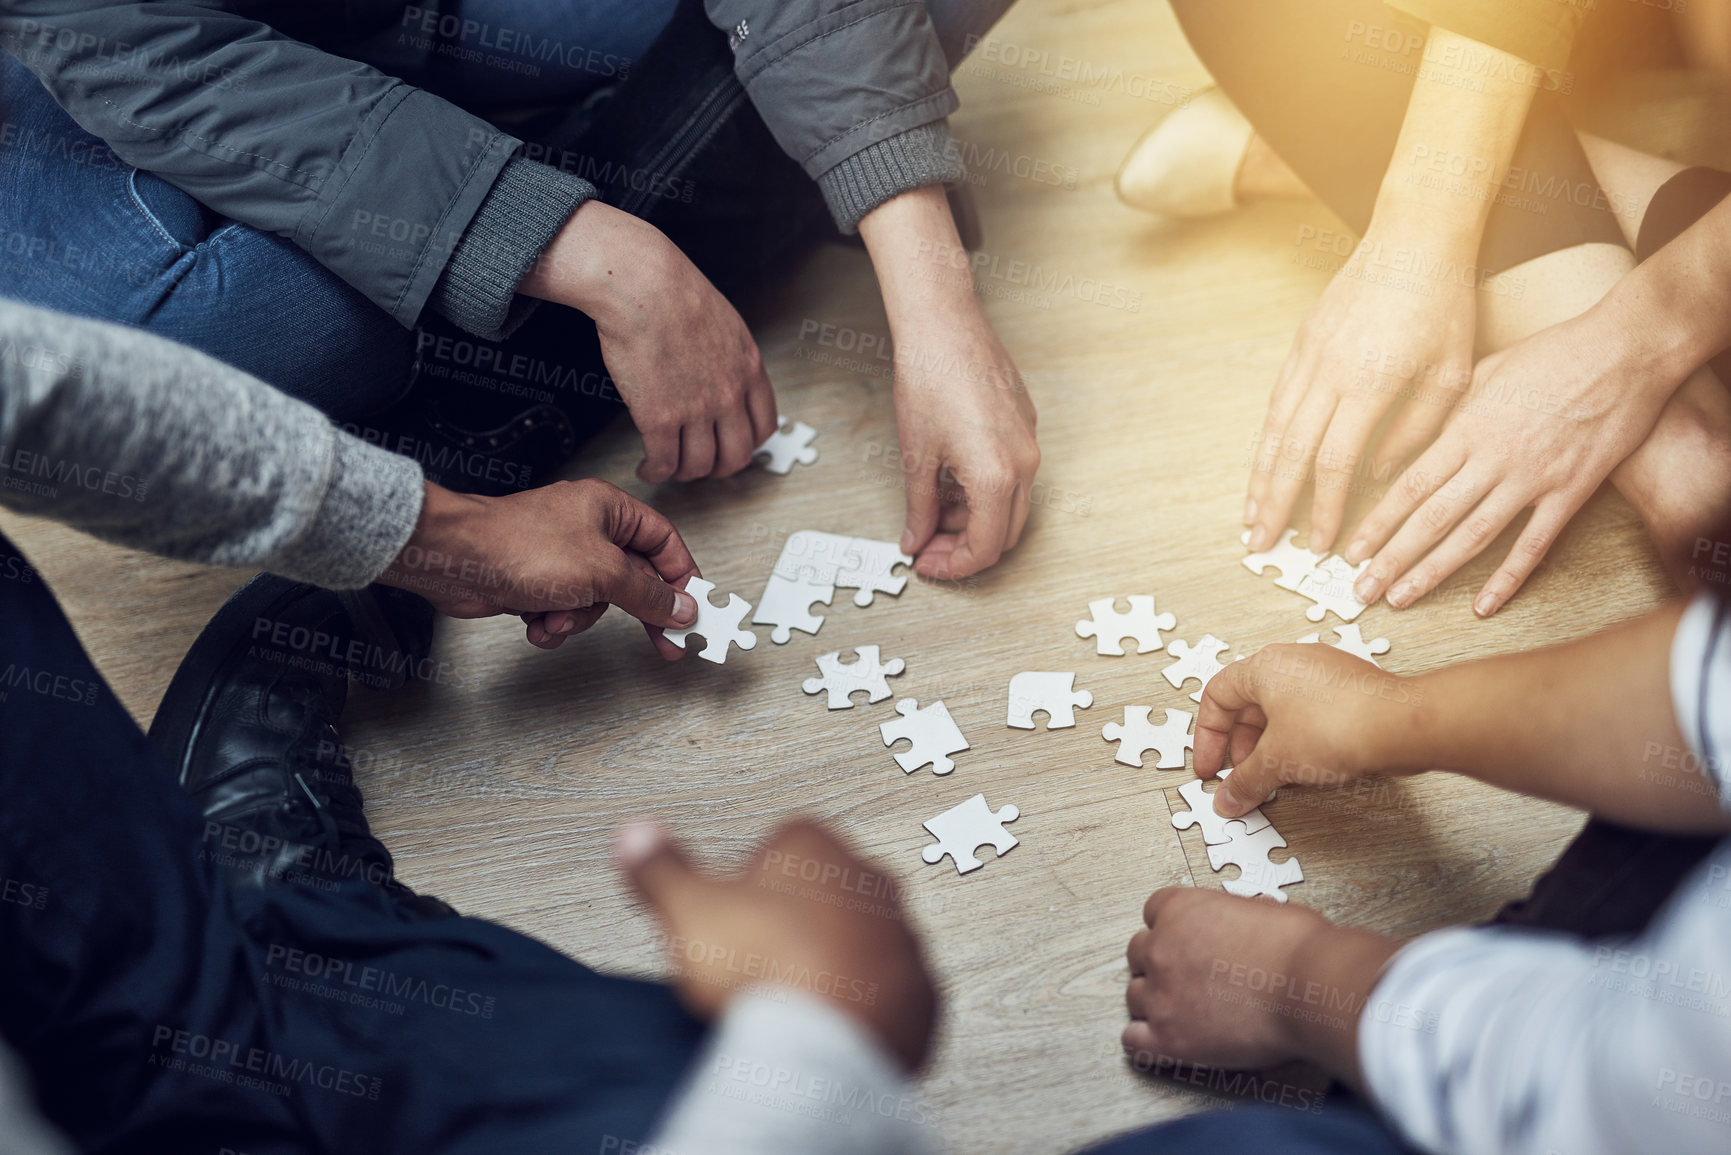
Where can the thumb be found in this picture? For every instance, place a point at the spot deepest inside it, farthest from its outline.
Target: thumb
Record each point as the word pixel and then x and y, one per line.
pixel 639 591
pixel 1244 789
pixel 656 868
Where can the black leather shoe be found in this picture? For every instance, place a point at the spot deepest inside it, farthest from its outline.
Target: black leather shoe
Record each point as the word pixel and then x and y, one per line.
pixel 249 725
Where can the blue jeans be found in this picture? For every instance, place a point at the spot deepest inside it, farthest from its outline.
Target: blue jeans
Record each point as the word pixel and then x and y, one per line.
pixel 83 233
pixel 159 1010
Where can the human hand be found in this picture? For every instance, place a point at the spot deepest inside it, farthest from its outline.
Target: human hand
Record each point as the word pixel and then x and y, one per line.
pixel 558 556
pixel 1367 341
pixel 1305 714
pixel 1545 422
pixel 1246 983
pixel 806 907
pixel 961 406
pixel 684 362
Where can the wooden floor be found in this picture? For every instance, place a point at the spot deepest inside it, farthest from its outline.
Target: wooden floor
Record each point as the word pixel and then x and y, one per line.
pixel 498 785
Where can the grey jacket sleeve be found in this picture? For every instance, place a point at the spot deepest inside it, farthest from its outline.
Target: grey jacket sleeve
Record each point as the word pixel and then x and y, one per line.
pixel 148 444
pixel 857 92
pixel 374 178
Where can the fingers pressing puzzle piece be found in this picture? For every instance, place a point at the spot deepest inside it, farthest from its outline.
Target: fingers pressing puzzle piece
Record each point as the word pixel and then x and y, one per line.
pixel 717 625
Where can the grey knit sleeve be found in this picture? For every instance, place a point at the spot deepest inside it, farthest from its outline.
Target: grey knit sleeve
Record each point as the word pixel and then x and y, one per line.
pixel 882 171
pixel 152 445
pixel 527 206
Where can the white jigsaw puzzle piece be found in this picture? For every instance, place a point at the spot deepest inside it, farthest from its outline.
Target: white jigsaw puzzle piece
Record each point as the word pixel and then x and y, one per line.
pixel 1294 562
pixel 870 569
pixel 1352 641
pixel 786 605
pixel 1053 694
pixel 1257 876
pixel 1201 662
pixel 1330 587
pixel 791 442
pixel 814 557
pixel 1201 812
pixel 1137 735
pixel 1109 628
pixel 717 625
pixel 964 828
pixel 844 679
pixel 931 732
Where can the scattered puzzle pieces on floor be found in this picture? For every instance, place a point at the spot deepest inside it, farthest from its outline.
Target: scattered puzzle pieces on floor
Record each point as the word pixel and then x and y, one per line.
pixel 1330 587
pixel 931 732
pixel 844 679
pixel 786 605
pixel 1353 643
pixel 1200 662
pixel 1137 735
pixel 962 829
pixel 1294 562
pixel 1257 876
pixel 1052 694
pixel 791 442
pixel 870 569
pixel 1214 827
pixel 1109 628
pixel 717 625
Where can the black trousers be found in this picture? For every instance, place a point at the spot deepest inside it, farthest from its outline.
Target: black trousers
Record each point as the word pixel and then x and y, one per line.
pixel 159 1011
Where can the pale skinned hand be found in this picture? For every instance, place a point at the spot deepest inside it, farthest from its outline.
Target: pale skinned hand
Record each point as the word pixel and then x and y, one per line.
pixel 558 556
pixel 1364 346
pixel 807 908
pixel 1546 421
pixel 1298 714
pixel 680 354
pixel 963 415
pixel 961 406
pixel 1189 994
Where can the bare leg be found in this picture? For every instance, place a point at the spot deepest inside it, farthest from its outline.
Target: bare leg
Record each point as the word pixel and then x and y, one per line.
pixel 1629 177
pixel 1679 480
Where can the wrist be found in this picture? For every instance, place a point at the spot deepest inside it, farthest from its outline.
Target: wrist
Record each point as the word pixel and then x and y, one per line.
pixel 595 262
pixel 1333 970
pixel 1657 338
pixel 440 559
pixel 918 255
pixel 1394 740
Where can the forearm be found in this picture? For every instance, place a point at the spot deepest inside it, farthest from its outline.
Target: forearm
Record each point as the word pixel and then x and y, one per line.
pixel 918 255
pixel 1673 312
pixel 593 265
pixel 1457 139
pixel 375 179
pixel 155 446
pixel 1574 723
pixel 1334 972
